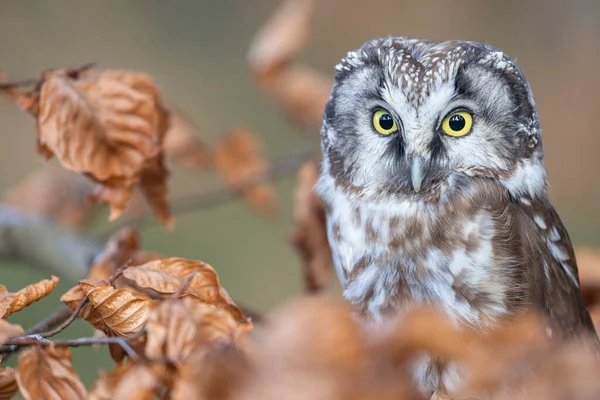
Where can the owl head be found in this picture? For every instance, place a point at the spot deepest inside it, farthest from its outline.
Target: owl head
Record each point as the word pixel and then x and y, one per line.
pixel 414 118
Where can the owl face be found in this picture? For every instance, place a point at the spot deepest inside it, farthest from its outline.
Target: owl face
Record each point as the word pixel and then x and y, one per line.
pixel 409 117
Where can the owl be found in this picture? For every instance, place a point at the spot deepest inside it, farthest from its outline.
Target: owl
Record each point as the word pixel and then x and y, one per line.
pixel 435 191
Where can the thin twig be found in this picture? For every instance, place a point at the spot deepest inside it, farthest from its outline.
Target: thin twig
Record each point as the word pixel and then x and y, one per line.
pixel 118 273
pixel 279 169
pixel 16 343
pixel 184 286
pixel 54 319
pixel 12 345
pixel 25 82
pixel 68 322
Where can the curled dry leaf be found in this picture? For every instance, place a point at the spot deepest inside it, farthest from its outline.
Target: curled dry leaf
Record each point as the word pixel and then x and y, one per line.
pixel 177 326
pixel 121 311
pixel 119 249
pixel 302 92
pixel 183 144
pixel 13 302
pixel 55 193
pixel 210 373
pixel 153 184
pixel 8 383
pixel 166 277
pixel 239 162
pixel 106 124
pixel 125 382
pixel 309 235
pixel 282 37
pixel 309 349
pixel 46 373
pixel 116 312
pixel 8 330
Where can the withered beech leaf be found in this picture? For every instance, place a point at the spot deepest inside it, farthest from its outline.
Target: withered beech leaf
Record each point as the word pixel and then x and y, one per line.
pixel 210 373
pixel 8 330
pixel 153 184
pixel 183 144
pixel 117 312
pixel 46 373
pixel 309 235
pixel 302 92
pixel 119 249
pixel 8 383
pixel 73 297
pixel 13 302
pixel 105 124
pixel 282 37
pixel 125 382
pixel 166 276
pixel 239 161
pixel 56 193
pixel 118 198
pixel 176 326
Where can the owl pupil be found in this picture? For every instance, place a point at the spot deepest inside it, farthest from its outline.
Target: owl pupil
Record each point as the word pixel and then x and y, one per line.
pixel 386 122
pixel 457 123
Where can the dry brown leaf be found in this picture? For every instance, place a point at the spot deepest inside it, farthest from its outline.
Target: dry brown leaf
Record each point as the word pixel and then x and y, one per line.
pixel 73 297
pixel 126 382
pixel 8 383
pixel 239 161
pixel 13 302
pixel 302 92
pixel 177 326
pixel 183 144
pixel 116 312
pixel 309 349
pixel 282 37
pixel 153 184
pixel 8 330
pixel 121 312
pixel 166 277
pixel 46 373
pixel 105 124
pixel 56 193
pixel 117 197
pixel 213 373
pixel 119 249
pixel 309 235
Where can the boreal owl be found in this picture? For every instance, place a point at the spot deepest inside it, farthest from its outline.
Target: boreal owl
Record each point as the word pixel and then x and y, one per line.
pixel 435 191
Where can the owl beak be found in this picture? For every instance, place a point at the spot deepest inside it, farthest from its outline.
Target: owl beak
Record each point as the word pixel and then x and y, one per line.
pixel 416 172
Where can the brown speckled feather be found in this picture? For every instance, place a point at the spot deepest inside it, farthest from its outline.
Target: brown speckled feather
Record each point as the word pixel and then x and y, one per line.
pixel 548 254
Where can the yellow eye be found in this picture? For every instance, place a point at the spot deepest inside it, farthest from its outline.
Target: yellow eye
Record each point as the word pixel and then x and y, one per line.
pixel 384 123
pixel 458 123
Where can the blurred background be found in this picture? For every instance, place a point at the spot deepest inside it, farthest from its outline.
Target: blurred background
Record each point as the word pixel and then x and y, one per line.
pixel 197 52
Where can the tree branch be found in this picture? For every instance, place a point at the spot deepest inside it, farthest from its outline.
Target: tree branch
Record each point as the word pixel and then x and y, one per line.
pixel 13 344
pixel 279 169
pixel 43 243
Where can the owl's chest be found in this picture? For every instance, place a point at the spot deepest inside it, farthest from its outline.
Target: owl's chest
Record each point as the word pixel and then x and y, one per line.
pixel 388 258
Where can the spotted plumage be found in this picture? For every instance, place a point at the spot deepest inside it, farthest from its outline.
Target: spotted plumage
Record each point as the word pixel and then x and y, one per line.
pixel 448 205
